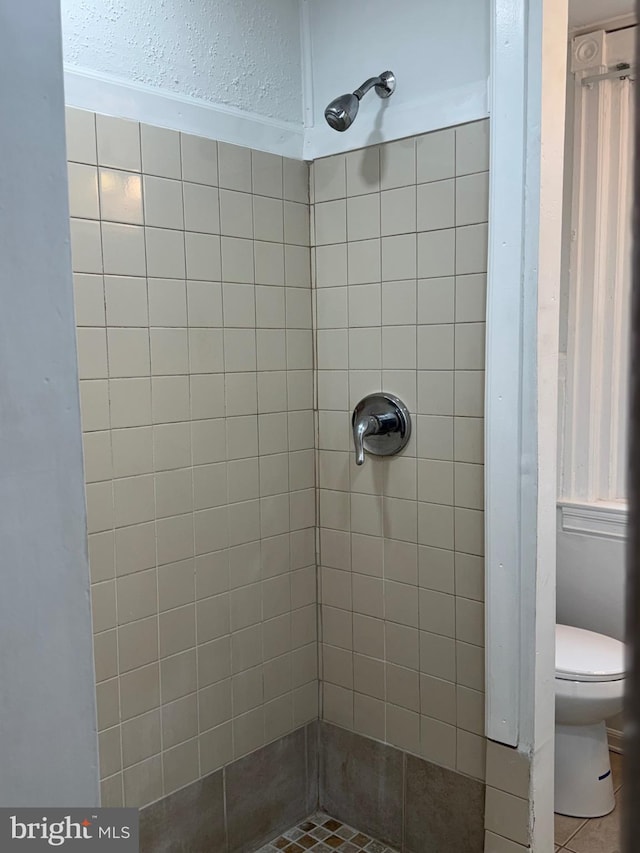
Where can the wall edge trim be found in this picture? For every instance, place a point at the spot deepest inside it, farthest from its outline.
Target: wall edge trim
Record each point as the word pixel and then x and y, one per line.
pixel 451 109
pixel 110 95
pixel 602 520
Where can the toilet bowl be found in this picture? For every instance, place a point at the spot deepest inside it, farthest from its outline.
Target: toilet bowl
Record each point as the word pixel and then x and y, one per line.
pixel 589 688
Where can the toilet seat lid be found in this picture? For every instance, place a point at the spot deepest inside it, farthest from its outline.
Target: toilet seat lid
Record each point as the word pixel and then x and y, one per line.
pixel 587 656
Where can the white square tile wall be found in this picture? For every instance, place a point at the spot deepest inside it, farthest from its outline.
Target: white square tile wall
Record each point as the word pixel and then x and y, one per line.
pixel 193 305
pixel 400 250
pixel 194 309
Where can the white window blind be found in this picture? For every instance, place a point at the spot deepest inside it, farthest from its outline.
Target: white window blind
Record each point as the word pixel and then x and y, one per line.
pixel 594 444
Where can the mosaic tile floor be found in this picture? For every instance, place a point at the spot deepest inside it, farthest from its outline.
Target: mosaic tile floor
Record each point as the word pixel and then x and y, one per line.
pixel 321 833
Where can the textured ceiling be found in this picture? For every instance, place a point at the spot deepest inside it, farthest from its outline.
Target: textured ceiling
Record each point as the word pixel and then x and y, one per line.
pixel 582 13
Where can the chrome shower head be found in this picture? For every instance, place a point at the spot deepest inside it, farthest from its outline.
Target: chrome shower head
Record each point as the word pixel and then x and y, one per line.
pixel 341 113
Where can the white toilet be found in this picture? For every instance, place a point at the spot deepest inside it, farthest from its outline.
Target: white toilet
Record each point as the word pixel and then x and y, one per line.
pixel 590 670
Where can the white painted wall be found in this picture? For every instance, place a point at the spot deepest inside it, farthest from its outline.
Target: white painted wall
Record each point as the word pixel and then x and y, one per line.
pixel 542 261
pixel 260 74
pixel 237 53
pixel 527 147
pixel 229 69
pixel 48 742
pixel 591 582
pixel 439 52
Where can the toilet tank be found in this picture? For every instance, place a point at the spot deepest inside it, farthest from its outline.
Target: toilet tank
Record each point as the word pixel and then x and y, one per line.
pixel 590 582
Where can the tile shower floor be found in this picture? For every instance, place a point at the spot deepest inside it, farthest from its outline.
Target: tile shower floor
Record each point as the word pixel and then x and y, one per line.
pixel 596 835
pixel 321 833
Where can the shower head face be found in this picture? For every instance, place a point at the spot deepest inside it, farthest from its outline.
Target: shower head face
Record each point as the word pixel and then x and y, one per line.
pixel 341 113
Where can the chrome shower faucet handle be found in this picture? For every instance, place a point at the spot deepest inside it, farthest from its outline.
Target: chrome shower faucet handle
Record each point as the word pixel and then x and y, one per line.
pixel 381 425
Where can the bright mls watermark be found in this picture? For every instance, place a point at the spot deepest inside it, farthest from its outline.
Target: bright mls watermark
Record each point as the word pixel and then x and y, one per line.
pixel 103 830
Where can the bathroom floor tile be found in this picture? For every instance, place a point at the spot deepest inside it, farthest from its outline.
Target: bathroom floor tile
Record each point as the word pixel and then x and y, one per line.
pixel 593 835
pixel 598 835
pixel 321 833
pixel 566 827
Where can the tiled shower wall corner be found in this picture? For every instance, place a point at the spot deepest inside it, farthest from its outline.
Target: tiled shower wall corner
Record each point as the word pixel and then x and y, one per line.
pixel 400 237
pixel 193 302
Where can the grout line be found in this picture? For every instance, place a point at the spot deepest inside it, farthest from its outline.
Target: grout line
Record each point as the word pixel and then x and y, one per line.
pixel 316 434
pixel 115 571
pixel 576 831
pixel 453 466
pixel 153 455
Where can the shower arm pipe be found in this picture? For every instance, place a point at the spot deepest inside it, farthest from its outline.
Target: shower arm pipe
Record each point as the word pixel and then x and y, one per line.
pixel 362 90
pixel 384 85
